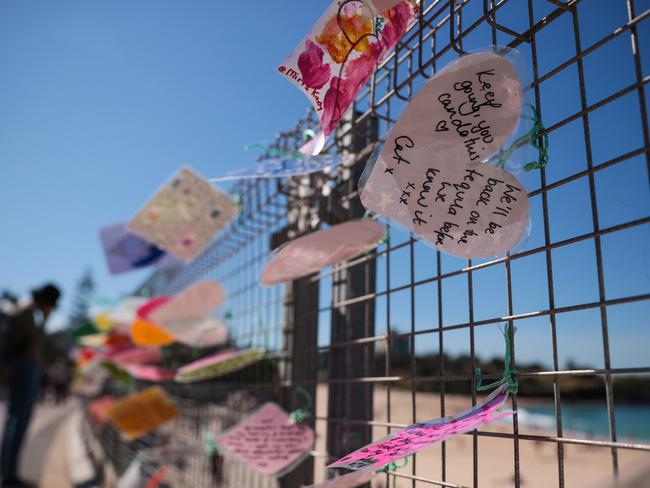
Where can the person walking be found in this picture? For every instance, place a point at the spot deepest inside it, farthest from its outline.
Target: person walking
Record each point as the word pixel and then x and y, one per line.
pixel 26 336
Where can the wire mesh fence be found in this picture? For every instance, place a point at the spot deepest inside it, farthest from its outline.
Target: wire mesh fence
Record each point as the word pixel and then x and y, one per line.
pixel 376 340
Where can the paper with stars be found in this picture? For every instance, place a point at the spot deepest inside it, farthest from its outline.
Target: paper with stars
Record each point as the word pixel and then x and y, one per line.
pixel 320 249
pixel 184 215
pixel 431 175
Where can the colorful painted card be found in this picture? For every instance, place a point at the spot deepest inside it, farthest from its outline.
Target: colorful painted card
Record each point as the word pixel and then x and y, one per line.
pixel 267 441
pixel 97 409
pixel 125 251
pixel 430 174
pixel 339 54
pixel 348 480
pixel 153 374
pixel 139 414
pixel 184 215
pixel 127 310
pixel 315 251
pixel 411 439
pixel 218 365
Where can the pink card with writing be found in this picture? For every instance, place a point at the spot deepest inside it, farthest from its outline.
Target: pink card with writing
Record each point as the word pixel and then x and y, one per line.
pixel 431 174
pixel 267 441
pixel 325 247
pixel 339 54
pixel 411 439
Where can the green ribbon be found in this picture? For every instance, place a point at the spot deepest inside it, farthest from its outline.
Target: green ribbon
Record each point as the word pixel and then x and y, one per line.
pixel 301 414
pixel 209 443
pixel 508 372
pixel 392 467
pixel 535 138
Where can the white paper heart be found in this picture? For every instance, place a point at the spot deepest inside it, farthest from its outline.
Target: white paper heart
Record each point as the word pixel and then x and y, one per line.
pixel 429 175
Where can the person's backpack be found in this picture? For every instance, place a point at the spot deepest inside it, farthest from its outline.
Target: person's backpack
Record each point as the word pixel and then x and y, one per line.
pixel 6 339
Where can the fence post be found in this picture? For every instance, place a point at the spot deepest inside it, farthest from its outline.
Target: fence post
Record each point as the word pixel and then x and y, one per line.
pixel 351 401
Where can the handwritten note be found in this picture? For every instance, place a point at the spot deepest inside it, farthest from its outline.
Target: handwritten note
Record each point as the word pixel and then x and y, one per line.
pixel 429 177
pixel 349 480
pixel 320 249
pixel 139 414
pixel 411 439
pixel 218 365
pixel 184 215
pixel 267 441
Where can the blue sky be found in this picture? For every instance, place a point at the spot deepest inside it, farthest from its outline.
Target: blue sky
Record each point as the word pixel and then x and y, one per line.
pixel 102 101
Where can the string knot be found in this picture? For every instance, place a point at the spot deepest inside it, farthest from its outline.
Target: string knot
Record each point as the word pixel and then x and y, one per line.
pixel 509 372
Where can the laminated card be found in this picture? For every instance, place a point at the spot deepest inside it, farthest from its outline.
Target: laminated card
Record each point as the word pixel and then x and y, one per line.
pixel 267 441
pixel 184 215
pixel 139 414
pixel 430 176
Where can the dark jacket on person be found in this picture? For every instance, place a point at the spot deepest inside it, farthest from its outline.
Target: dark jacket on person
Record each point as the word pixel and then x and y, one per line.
pixel 27 334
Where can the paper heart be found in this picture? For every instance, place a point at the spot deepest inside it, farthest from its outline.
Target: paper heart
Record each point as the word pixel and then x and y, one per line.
pixel 434 181
pixel 193 303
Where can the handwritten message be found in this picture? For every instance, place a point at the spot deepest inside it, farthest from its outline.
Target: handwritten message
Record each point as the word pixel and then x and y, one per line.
pixel 411 439
pixel 139 414
pixel 267 441
pixel 429 174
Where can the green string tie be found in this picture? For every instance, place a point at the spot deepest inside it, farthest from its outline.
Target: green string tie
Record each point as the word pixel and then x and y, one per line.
pixel 392 467
pixel 209 443
pixel 535 138
pixel 301 414
pixel 508 372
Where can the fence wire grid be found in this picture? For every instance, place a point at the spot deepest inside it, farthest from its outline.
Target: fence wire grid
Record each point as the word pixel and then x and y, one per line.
pixel 374 339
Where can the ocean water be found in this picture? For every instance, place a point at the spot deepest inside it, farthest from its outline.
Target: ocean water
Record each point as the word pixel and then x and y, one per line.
pixel 590 420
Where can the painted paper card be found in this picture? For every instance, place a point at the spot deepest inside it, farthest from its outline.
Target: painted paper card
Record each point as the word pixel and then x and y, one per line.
pixel 146 333
pixel 286 166
pixel 139 414
pixel 136 355
pixel 184 215
pixel 339 54
pixel 349 480
pixel 411 439
pixel 267 441
pixel 147 372
pixel 186 316
pixel 429 174
pixel 325 247
pixel 194 302
pixel 126 312
pixel 125 251
pixel 97 409
pixel 218 365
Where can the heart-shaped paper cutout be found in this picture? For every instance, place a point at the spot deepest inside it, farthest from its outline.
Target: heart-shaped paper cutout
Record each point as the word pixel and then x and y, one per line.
pixel 312 252
pixel 192 304
pixel 433 182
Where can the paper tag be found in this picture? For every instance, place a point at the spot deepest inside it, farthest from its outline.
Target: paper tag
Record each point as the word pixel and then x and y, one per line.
pixel 218 365
pixel 267 441
pixel 146 372
pixel 139 414
pixel 411 439
pixel 97 409
pixel 184 215
pixel 340 53
pixel 350 480
pixel 194 302
pixel 315 251
pixel 428 176
pixel 125 251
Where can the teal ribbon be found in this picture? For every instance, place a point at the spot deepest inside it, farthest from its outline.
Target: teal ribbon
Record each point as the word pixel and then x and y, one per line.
pixel 301 414
pixel 509 373
pixel 535 138
pixel 209 443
